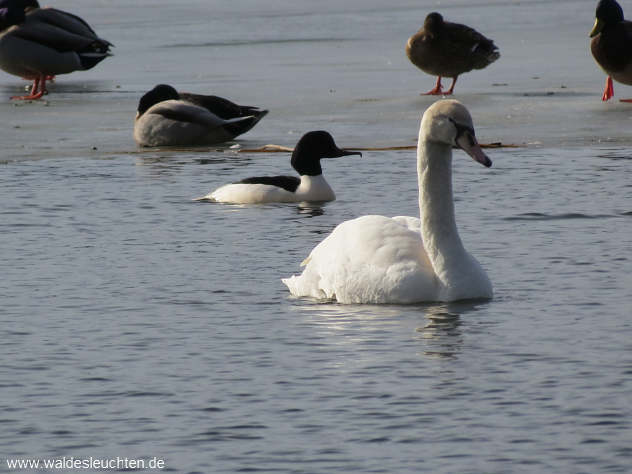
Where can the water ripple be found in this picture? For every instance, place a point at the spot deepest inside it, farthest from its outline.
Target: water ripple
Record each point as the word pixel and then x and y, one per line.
pixel 537 216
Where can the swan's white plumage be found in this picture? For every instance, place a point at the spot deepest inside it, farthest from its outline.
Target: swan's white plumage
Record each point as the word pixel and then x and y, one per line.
pixel 369 259
pixel 377 259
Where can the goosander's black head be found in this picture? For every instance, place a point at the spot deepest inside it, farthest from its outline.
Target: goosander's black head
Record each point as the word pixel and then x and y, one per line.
pixel 158 94
pixel 11 13
pixel 608 13
pixel 311 148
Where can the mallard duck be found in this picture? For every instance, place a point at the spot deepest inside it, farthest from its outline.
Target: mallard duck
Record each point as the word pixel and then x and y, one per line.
pixel 310 186
pixel 611 45
pixel 401 260
pixel 446 49
pixel 166 117
pixel 39 43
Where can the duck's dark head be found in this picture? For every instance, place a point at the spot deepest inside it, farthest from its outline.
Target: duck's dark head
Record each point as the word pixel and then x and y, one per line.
pixel 158 94
pixel 433 22
pixel 11 13
pixel 311 148
pixel 608 12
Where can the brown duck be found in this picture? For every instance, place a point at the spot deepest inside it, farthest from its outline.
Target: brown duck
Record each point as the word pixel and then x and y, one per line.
pixel 611 45
pixel 446 49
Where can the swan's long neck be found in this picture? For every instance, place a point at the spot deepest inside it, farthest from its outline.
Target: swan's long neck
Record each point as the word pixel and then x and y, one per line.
pixel 436 206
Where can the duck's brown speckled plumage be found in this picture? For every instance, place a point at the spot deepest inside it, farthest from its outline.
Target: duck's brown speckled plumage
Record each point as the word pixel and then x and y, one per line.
pixel 447 49
pixel 611 44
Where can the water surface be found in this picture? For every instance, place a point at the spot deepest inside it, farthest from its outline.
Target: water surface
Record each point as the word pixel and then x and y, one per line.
pixel 138 323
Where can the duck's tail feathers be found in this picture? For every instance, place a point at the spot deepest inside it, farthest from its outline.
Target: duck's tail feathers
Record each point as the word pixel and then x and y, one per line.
pixel 89 60
pixel 240 125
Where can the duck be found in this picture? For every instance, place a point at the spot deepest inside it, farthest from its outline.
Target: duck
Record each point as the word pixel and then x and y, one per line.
pixel 445 49
pixel 40 43
pixel 611 45
pixel 309 186
pixel 403 260
pixel 166 117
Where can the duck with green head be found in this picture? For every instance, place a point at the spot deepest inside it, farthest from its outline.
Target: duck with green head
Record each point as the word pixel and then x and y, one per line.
pixel 611 45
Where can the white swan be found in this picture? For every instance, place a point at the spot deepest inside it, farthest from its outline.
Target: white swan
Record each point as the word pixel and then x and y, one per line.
pixel 310 186
pixel 376 259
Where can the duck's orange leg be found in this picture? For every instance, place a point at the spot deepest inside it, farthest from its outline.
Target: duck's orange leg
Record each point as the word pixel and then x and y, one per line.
pixel 37 91
pixel 437 90
pixel 451 89
pixel 608 91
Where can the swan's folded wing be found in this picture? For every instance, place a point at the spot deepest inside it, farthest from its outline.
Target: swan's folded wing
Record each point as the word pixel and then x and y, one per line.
pixel 372 259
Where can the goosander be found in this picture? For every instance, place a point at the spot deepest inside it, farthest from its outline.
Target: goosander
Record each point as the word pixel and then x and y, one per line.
pixel 310 186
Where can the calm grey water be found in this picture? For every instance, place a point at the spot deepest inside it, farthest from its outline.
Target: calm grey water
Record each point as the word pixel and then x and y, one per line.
pixel 137 323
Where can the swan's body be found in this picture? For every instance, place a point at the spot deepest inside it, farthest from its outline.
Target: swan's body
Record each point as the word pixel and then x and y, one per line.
pixel 166 117
pixel 445 49
pixel 376 259
pixel 611 45
pixel 310 186
pixel 39 43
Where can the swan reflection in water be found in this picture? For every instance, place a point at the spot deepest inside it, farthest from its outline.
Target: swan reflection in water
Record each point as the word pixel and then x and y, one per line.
pixel 441 335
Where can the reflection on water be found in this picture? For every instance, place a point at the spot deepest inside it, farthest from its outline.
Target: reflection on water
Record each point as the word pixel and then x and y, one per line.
pixel 441 335
pixel 167 161
pixel 307 209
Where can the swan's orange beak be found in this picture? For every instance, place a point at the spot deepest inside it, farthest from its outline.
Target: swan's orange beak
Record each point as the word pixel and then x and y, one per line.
pixel 466 141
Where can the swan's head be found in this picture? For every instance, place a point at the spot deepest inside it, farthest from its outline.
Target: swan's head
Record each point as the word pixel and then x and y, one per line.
pixel 158 94
pixel 450 123
pixel 311 148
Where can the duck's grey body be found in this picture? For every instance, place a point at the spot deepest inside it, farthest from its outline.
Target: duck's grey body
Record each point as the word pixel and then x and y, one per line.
pixel 167 117
pixel 176 122
pixel 46 43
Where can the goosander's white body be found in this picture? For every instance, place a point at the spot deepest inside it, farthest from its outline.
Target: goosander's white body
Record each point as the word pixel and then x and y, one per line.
pixel 311 188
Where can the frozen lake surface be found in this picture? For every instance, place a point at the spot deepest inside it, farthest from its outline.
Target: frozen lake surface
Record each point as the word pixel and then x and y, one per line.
pixel 137 323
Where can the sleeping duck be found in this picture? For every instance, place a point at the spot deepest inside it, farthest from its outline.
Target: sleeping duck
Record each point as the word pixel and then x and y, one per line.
pixel 611 45
pixel 310 186
pixel 446 49
pixel 39 43
pixel 166 117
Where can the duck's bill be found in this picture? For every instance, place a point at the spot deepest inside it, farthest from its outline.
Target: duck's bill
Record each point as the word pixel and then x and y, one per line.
pixel 342 152
pixel 467 142
pixel 597 28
